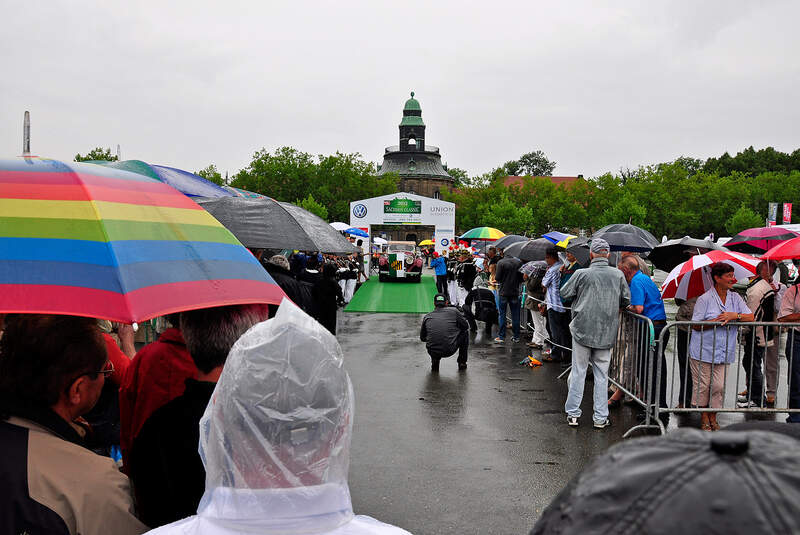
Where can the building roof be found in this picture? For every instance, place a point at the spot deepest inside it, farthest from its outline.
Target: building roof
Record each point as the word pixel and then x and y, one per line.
pixel 420 164
pixel 513 180
pixel 412 120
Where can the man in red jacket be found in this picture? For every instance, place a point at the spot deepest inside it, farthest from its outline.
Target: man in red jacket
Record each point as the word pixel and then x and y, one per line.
pixel 155 376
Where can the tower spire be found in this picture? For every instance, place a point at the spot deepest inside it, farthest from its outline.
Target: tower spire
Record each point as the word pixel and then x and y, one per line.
pixel 26 134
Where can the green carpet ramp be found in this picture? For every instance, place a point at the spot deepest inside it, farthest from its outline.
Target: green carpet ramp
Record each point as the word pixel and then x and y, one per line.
pixel 394 297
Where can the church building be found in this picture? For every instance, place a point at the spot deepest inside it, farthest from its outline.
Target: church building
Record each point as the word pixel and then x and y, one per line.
pixel 418 164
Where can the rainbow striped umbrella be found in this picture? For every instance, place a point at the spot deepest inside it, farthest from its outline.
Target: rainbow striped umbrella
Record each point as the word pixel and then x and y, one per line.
pixel 95 241
pixel 482 233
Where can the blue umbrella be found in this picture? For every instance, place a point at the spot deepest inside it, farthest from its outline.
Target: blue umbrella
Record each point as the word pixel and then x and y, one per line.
pixel 353 231
pixel 560 239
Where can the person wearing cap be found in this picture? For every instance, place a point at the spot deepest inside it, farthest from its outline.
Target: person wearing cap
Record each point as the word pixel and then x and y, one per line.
pixel 731 482
pixel 597 293
pixel 275 438
pixel 440 269
pixel 445 330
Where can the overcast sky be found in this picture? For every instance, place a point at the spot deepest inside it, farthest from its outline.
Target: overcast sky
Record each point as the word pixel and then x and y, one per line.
pixel 597 86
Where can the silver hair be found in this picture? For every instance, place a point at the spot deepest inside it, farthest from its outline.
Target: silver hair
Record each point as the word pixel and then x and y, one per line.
pixel 279 260
pixel 211 332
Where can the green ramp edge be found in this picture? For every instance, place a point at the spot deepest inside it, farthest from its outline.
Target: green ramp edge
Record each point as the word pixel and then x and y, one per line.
pixel 394 297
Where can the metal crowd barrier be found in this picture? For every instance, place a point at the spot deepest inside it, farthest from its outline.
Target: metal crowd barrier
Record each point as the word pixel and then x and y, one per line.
pixel 631 368
pixel 742 358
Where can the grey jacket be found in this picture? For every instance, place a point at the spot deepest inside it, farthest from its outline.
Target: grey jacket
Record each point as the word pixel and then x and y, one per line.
pixel 599 292
pixel 441 329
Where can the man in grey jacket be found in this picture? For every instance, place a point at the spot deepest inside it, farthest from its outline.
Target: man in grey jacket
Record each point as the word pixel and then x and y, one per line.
pixel 598 293
pixel 445 330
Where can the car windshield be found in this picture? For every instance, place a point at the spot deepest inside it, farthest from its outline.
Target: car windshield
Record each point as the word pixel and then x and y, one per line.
pixel 401 248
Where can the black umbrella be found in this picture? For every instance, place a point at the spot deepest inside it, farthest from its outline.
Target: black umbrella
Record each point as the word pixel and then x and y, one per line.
pixel 670 253
pixel 508 239
pixel 530 250
pixel 732 482
pixel 579 248
pixel 625 241
pixel 265 223
pixel 627 237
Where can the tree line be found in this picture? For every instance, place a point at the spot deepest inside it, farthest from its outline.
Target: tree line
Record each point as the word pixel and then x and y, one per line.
pixel 686 196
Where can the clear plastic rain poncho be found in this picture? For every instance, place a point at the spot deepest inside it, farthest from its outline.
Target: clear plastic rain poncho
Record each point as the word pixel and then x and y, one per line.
pixel 275 437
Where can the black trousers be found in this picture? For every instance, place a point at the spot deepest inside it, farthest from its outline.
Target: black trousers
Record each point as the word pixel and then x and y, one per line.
pixel 751 362
pixel 560 334
pixel 441 286
pixel 473 324
pixel 462 347
pixel 685 397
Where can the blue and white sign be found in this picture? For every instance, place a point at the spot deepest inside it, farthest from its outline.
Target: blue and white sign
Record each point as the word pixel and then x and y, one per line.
pixel 445 242
pixel 360 211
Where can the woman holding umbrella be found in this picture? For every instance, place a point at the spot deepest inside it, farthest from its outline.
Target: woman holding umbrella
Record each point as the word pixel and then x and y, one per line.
pixel 712 348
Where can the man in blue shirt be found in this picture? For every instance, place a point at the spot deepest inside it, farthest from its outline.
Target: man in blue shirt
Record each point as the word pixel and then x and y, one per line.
pixel 646 300
pixel 440 268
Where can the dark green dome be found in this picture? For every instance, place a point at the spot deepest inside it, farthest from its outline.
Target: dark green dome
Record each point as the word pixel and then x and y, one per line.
pixel 412 104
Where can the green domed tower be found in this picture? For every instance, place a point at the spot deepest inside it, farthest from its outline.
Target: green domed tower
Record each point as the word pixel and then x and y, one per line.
pixel 420 167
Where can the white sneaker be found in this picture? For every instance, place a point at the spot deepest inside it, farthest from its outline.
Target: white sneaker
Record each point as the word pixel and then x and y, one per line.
pixel 746 404
pixel 600 425
pixel 572 421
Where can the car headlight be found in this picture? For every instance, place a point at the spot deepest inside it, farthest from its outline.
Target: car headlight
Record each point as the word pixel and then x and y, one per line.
pixel 409 260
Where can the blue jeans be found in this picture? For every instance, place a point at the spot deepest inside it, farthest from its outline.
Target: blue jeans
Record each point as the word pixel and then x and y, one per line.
pixel 513 302
pixel 793 349
pixel 600 359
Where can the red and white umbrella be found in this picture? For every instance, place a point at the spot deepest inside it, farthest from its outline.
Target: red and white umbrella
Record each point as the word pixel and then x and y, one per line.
pixel 693 277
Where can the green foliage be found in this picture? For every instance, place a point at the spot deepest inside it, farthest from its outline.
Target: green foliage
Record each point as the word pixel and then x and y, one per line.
pixel 674 198
pixel 743 218
pixel 96 154
pixel 310 204
pixel 333 181
pixel 536 164
pixel 460 177
pixel 512 167
pixel 211 174
pixel 753 162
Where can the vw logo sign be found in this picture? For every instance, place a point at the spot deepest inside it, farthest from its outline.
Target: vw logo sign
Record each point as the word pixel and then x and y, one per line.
pixel 359 210
pixel 445 242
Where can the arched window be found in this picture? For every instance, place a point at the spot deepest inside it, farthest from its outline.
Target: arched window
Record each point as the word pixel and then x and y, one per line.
pixel 412 143
pixel 437 195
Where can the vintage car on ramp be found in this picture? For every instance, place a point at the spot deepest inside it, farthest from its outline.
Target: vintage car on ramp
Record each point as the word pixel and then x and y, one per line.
pixel 400 262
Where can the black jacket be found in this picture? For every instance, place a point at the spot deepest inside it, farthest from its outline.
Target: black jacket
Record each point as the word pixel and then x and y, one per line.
pixel 327 299
pixel 484 303
pixel 441 329
pixel 298 291
pixel 167 473
pixel 508 276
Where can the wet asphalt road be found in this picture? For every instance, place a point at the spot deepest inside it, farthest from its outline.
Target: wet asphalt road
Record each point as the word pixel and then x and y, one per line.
pixel 483 451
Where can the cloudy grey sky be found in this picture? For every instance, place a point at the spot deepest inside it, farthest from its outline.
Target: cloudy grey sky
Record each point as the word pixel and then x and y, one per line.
pixel 595 85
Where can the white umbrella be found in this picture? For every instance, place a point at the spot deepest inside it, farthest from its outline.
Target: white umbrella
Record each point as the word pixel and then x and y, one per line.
pixel 379 241
pixel 338 225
